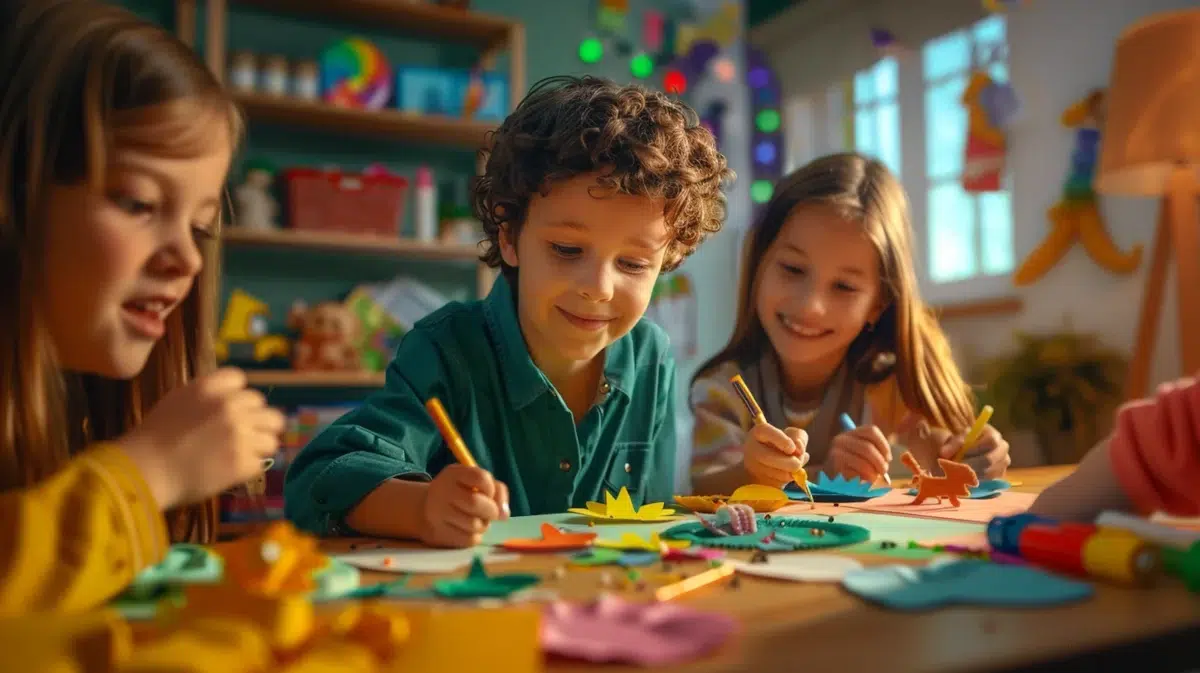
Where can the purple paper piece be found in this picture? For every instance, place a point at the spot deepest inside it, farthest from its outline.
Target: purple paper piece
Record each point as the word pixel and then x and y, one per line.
pixel 614 630
pixel 758 77
pixel 1000 102
pixel 882 38
pixel 701 53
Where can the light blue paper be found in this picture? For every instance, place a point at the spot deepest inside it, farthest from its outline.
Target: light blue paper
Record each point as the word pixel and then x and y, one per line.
pixel 836 489
pixel 947 582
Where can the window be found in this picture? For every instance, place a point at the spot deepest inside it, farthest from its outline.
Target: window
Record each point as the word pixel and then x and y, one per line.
pixel 968 237
pixel 877 112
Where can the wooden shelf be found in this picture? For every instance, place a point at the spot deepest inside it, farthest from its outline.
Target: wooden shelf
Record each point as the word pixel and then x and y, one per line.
pixel 415 18
pixel 393 124
pixel 286 378
pixel 355 243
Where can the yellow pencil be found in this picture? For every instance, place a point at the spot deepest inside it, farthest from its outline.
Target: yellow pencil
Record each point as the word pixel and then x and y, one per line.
pixel 710 576
pixel 454 440
pixel 743 391
pixel 973 434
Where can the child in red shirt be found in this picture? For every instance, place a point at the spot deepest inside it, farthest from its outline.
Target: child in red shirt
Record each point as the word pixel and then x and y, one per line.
pixel 1150 464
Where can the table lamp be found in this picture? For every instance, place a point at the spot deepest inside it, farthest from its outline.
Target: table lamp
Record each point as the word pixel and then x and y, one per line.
pixel 1152 148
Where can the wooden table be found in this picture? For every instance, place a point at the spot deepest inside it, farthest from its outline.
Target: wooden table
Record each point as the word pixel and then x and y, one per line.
pixel 819 627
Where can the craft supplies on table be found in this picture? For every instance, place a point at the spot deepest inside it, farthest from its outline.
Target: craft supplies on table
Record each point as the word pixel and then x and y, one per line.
pixel 1077 548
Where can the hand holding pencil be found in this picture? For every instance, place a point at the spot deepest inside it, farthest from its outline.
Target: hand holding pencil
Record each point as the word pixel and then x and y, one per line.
pixel 463 499
pixel 771 456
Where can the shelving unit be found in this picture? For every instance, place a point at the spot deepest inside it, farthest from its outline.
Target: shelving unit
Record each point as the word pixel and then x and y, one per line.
pixel 492 35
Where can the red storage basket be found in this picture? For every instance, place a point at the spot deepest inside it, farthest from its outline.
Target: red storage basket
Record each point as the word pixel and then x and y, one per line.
pixel 347 202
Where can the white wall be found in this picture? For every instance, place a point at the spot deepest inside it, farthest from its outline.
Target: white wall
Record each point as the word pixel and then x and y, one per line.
pixel 1059 49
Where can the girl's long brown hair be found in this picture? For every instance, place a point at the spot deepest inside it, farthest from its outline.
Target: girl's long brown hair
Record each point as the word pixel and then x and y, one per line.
pixel 83 79
pixel 907 341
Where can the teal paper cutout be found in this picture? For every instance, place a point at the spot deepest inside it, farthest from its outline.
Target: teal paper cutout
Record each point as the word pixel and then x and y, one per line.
pixel 395 589
pixel 837 489
pixel 638 559
pixel 478 584
pixel 963 582
pixel 790 534
pixel 985 490
pixel 598 556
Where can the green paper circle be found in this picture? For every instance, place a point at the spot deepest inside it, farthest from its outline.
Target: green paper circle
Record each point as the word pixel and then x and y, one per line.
pixel 767 121
pixel 591 50
pixel 791 534
pixel 641 66
pixel 761 191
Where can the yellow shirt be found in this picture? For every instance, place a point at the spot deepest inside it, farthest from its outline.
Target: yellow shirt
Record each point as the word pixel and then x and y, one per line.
pixel 75 540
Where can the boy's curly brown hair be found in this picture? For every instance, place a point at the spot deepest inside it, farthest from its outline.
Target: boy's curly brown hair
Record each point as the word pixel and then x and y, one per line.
pixel 644 143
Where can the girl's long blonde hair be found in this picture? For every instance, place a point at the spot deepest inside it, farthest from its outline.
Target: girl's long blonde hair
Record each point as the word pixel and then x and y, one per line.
pixel 82 79
pixel 907 341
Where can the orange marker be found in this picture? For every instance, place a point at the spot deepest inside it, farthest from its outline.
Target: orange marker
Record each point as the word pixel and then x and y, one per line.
pixel 697 581
pixel 449 433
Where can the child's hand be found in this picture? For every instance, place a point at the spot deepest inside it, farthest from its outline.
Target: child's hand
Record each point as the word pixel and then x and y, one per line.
pixel 460 504
pixel 863 452
pixel 989 457
pixel 204 437
pixel 771 455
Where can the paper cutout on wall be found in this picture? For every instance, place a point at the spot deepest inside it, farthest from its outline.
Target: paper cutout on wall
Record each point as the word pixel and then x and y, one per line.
pixel 673 307
pixel 886 44
pixel 1076 216
pixel 721 27
pixel 620 508
pixel 947 581
pixel 1001 6
pixel 986 146
pixel 801 567
pixel 478 584
pixel 613 630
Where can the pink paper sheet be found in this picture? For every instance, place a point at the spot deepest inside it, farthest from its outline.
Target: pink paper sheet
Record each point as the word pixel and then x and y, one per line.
pixel 978 511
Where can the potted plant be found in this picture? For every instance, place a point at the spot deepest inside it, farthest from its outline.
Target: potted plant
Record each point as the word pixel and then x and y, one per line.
pixel 1064 387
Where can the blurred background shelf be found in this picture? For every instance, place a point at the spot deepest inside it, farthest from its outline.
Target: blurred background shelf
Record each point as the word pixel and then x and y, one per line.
pixel 286 378
pixel 351 243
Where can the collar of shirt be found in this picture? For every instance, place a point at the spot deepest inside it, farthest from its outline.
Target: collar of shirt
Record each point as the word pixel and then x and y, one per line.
pixel 522 378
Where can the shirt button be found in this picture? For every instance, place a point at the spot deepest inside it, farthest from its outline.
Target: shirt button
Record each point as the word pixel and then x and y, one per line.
pixel 604 387
pixel 564 465
pixel 627 468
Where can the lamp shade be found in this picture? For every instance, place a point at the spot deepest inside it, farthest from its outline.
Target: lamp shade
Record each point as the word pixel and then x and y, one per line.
pixel 1153 105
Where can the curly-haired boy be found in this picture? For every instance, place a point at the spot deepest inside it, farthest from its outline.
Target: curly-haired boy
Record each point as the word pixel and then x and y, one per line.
pixel 557 385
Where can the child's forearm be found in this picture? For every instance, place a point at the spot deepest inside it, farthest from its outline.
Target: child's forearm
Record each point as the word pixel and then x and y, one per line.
pixel 721 482
pixel 1082 495
pixel 394 509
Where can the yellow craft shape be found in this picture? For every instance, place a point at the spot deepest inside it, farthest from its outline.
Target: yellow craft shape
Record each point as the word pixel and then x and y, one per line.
pixel 635 542
pixel 621 508
pixel 470 639
pixel 761 499
pixel 279 561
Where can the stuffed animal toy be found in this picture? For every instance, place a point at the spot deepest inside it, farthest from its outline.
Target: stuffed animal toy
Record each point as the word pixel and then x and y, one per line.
pixel 326 337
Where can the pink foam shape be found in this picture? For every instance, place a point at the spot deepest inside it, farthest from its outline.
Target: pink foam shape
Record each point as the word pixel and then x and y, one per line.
pixel 614 630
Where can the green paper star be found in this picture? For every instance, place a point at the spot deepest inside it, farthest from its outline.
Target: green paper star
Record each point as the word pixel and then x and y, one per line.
pixel 478 584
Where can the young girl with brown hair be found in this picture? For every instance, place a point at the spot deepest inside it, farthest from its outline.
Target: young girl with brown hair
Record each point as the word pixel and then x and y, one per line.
pixel 830 322
pixel 114 145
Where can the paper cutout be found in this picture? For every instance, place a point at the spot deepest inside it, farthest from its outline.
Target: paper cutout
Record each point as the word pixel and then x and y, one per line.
pixel 638 559
pixel 801 567
pixel 597 556
pixel 621 508
pixel 552 539
pixel 837 489
pixel 635 542
pixel 612 630
pixel 950 581
pixel 1006 503
pixel 478 584
pixel 692 554
pixel 761 499
pixel 531 527
pixel 420 560
pixel 395 589
pixel 986 489
pixel 776 534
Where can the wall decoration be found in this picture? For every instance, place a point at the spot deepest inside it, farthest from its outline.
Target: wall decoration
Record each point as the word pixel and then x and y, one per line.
pixel 1076 216
pixel 986 146
pixel 653 27
pixel 886 44
pixel 721 27
pixel 1001 6
pixel 591 50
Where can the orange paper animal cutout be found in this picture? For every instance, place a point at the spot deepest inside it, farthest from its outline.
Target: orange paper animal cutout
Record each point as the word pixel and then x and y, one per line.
pixel 957 483
pixel 552 539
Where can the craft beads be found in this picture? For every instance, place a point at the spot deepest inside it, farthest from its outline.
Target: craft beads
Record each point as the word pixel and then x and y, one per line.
pixel 887 544
pixel 560 572
pixel 830 518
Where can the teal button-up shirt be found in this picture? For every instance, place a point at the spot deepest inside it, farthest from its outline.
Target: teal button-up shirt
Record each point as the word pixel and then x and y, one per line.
pixel 473 357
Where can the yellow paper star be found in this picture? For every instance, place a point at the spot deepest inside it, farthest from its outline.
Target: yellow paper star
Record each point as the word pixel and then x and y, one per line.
pixel 635 542
pixel 621 508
